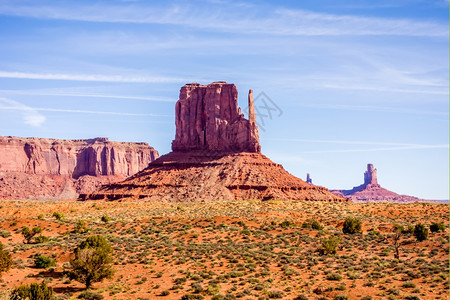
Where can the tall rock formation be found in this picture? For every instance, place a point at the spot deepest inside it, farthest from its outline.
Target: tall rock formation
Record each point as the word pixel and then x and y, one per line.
pixel 73 166
pixel 370 190
pixel 370 176
pixel 216 156
pixel 207 117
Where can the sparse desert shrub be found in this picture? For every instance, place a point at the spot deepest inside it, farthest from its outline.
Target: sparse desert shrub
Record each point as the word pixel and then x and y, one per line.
pixel 165 293
pixel 81 227
pixel 105 218
pixel 197 287
pixel 191 297
pixel 43 262
pixel 5 260
pixel 90 295
pixel 420 232
pixel 334 276
pixel 33 291
pixel 5 234
pixel 412 297
pixel 29 234
pixel 286 224
pixel 329 245
pixel 58 216
pixel 312 224
pixel 41 217
pixel 92 262
pixel 301 297
pixel 213 289
pixel 352 225
pixel 409 285
pixel 275 294
pixel 436 227
pixel 341 297
pixel 41 239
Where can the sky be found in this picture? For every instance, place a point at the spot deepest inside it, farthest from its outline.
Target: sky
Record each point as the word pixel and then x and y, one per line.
pixel 337 84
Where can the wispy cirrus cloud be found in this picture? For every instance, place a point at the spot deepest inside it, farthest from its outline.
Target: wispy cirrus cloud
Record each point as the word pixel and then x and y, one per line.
pixel 383 146
pixel 378 149
pixel 253 20
pixel 92 77
pixel 65 93
pixel 30 115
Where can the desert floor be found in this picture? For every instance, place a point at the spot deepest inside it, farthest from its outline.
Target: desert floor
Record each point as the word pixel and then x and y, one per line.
pixel 243 249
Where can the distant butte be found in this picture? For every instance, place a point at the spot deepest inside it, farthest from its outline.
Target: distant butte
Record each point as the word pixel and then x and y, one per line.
pixel 39 168
pixel 216 155
pixel 370 190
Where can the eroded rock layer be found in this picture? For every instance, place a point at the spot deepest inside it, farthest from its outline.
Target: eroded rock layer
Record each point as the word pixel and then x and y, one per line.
pixel 51 168
pixel 207 176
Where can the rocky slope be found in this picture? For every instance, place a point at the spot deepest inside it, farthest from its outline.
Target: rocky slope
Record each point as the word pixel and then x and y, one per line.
pixel 370 190
pixel 216 156
pixel 33 168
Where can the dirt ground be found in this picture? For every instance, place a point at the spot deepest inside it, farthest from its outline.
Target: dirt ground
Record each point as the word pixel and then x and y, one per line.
pixel 228 250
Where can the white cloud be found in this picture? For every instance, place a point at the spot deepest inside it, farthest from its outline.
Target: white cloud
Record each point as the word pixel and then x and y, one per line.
pixel 67 93
pixel 232 19
pixel 400 148
pixel 92 77
pixel 30 115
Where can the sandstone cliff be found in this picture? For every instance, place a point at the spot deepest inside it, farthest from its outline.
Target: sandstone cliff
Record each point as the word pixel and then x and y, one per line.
pixel 40 168
pixel 216 156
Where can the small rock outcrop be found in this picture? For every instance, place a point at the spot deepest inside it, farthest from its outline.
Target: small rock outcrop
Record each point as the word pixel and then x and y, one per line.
pixel 207 117
pixel 216 156
pixel 370 190
pixel 308 178
pixel 40 168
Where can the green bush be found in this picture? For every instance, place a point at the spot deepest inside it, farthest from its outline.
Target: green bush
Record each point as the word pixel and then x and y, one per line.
pixel 29 234
pixel 329 246
pixel 420 232
pixel 92 262
pixel 341 297
pixel 285 224
pixel 90 295
pixel 41 239
pixel 5 260
pixel 33 291
pixel 334 276
pixel 352 225
pixel 436 227
pixel 409 285
pixel 58 216
pixel 81 227
pixel 165 293
pixel 275 294
pixel 43 262
pixel 5 234
pixel 105 218
pixel 312 224
pixel 192 296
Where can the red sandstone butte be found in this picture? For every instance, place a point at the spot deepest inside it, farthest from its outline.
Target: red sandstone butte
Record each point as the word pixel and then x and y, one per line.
pixel 370 190
pixel 216 156
pixel 207 117
pixel 37 168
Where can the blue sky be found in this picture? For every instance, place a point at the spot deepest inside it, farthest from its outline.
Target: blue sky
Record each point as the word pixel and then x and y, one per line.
pixel 354 82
